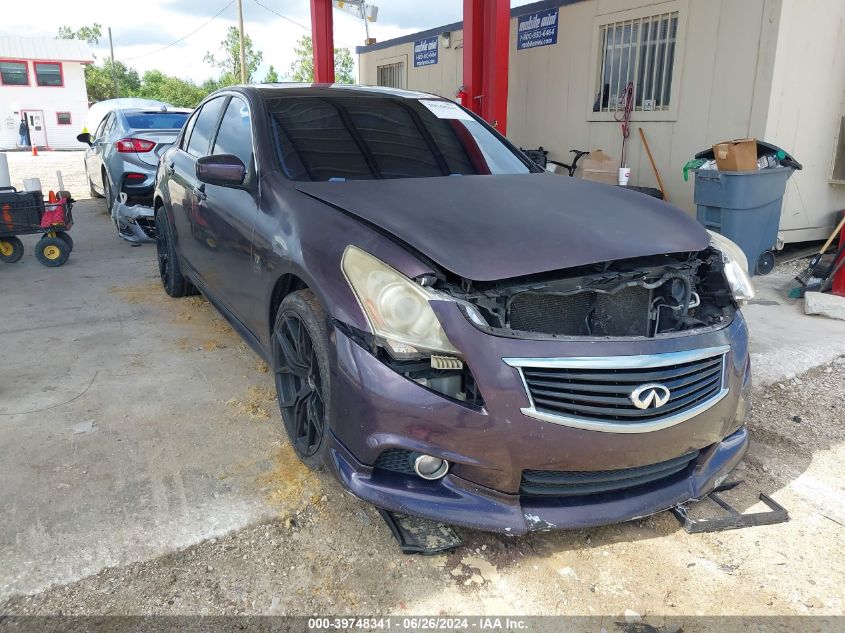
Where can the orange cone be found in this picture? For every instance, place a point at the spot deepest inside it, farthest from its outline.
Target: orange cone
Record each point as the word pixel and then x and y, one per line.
pixel 52 198
pixel 34 151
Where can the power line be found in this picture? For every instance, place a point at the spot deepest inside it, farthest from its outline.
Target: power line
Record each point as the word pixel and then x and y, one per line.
pixel 184 37
pixel 284 17
pixel 299 24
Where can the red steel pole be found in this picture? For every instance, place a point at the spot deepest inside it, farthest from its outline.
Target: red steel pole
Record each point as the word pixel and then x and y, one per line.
pixel 473 54
pixel 322 35
pixel 497 20
pixel 486 55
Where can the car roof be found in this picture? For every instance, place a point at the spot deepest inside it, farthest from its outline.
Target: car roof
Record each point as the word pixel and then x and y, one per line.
pixel 275 90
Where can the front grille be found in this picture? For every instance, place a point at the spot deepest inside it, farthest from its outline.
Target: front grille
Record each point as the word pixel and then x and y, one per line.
pixel 396 459
pixel 562 483
pixel 148 226
pixel 573 389
pixel 625 313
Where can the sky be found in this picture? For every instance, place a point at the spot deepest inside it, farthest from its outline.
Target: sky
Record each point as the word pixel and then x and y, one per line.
pixel 145 33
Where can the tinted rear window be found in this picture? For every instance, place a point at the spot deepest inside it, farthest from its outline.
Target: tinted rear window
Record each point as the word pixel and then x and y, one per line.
pixel 364 138
pixel 156 120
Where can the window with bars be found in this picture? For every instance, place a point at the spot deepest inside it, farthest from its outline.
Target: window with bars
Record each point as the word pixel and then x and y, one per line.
pixel 640 51
pixel 391 75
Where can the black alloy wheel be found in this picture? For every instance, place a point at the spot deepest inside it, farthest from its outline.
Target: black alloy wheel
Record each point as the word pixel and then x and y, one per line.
pixel 175 284
pixel 300 357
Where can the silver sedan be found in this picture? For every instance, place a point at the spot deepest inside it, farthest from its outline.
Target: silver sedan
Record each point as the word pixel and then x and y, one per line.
pixel 123 155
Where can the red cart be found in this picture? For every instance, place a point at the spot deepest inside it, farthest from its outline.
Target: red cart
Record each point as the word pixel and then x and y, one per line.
pixel 26 213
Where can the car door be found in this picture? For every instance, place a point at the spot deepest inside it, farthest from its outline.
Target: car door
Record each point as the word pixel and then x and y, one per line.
pixel 93 163
pixel 183 186
pixel 230 214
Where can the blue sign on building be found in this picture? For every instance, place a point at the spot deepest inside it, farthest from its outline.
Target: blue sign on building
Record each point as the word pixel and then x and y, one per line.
pixel 425 52
pixel 537 29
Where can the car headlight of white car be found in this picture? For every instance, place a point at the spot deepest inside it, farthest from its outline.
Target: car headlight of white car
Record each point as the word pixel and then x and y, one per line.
pixel 735 267
pixel 397 308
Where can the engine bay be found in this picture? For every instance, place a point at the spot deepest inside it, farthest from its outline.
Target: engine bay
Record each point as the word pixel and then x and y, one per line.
pixel 641 297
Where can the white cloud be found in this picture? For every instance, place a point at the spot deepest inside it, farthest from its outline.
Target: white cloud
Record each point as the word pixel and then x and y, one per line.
pixel 140 30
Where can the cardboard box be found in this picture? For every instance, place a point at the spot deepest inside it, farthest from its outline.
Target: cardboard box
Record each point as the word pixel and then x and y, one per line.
pixel 599 167
pixel 737 155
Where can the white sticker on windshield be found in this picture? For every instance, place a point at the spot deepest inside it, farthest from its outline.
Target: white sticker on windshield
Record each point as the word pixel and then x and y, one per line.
pixel 446 110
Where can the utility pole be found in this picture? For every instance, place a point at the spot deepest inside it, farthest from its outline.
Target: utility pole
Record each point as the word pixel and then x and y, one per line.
pixel 113 69
pixel 243 49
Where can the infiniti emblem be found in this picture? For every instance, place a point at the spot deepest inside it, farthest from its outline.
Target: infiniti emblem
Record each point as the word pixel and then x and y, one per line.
pixel 651 395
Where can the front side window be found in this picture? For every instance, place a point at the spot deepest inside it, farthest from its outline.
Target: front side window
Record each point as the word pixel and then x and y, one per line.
pixel 155 120
pixel 13 73
pixel 640 51
pixel 372 137
pixel 204 127
pixel 235 134
pixel 48 74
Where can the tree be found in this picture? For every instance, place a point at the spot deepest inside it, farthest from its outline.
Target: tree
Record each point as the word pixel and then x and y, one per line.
pixel 179 92
pixel 100 82
pixel 90 34
pixel 272 76
pixel 230 62
pixel 302 68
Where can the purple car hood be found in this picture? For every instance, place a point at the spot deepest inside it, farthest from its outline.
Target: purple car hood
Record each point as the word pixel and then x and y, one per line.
pixel 486 228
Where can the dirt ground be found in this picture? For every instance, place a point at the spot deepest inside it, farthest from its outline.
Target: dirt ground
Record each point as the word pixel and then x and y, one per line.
pixel 327 553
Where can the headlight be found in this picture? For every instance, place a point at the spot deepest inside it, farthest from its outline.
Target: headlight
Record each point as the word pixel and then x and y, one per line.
pixel 735 267
pixel 397 309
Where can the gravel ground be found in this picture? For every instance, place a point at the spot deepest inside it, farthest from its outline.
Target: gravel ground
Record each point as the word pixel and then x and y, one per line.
pixel 331 554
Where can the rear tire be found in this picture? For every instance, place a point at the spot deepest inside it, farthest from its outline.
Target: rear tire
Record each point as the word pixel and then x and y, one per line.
pixel 172 279
pixel 62 235
pixel 11 249
pixel 52 252
pixel 108 194
pixel 303 376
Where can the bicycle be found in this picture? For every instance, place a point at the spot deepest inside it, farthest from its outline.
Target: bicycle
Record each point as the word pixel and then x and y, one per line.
pixel 541 157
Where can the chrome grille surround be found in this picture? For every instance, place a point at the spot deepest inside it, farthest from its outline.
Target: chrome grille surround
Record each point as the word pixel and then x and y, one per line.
pixel 613 375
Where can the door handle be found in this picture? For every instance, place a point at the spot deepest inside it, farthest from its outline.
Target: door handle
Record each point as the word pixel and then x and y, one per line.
pixel 199 192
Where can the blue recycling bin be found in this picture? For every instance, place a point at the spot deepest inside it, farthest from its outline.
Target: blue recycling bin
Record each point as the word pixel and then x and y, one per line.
pixel 745 207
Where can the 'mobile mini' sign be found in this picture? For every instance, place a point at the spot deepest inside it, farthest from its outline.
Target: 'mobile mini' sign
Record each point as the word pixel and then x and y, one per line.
pixel 537 29
pixel 425 52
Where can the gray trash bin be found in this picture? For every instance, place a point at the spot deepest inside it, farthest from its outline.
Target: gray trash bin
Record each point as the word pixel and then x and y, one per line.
pixel 744 206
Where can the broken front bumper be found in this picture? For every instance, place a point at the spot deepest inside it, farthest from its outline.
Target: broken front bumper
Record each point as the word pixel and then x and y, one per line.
pixel 491 448
pixel 456 501
pixel 134 223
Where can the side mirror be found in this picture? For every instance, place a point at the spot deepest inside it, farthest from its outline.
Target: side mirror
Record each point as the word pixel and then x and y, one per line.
pixel 85 137
pixel 225 170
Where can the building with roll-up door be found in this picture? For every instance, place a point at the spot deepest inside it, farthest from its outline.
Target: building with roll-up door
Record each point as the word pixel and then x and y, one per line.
pixel 43 79
pixel 704 71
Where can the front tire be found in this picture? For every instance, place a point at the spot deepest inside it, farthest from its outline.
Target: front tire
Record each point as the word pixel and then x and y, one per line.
pixel 172 279
pixel 91 189
pixel 52 251
pixel 303 376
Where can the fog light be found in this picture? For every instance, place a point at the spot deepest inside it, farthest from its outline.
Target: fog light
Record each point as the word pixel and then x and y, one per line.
pixel 430 467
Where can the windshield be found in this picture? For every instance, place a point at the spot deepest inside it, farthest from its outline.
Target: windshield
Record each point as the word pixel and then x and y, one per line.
pixel 155 120
pixel 371 137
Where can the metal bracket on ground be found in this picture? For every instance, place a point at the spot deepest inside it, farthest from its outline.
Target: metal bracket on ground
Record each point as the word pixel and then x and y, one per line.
pixel 734 519
pixel 420 536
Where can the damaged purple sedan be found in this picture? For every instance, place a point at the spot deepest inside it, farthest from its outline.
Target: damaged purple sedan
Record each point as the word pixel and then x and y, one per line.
pixel 456 334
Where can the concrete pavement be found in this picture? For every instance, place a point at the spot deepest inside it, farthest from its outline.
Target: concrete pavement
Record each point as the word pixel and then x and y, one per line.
pixel 133 425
